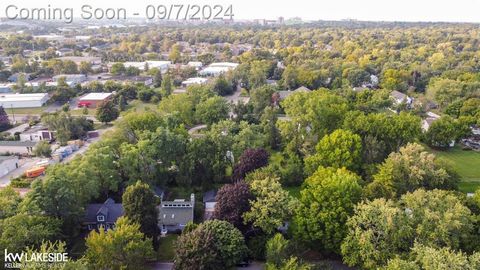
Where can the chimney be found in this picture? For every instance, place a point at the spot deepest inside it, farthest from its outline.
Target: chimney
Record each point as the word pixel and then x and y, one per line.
pixel 192 198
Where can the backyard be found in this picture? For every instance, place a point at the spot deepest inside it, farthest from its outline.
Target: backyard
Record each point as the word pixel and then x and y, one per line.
pixel 466 163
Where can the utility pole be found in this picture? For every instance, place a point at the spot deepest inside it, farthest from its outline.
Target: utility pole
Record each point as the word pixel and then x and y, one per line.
pixel 13 113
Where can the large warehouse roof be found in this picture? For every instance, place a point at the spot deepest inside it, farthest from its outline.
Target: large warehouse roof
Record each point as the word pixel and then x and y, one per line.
pixel 22 97
pixel 96 96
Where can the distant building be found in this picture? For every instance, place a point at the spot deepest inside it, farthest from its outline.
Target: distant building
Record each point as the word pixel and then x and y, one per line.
pixel 196 80
pixel 197 65
pixel 79 59
pixel 102 215
pixel 8 164
pixel 209 199
pixel 17 147
pixel 161 65
pixel 14 77
pixel 71 79
pixel 399 98
pixel 215 69
pixel 23 100
pixel 278 96
pixel 36 134
pixel 6 88
pixel 91 100
pixel 174 215
pixel 145 80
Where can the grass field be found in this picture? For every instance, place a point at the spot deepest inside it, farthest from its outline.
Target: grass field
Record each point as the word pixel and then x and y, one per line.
pixel 166 250
pixel 35 110
pixel 466 163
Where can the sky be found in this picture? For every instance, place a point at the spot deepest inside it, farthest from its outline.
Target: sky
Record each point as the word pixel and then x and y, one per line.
pixel 372 10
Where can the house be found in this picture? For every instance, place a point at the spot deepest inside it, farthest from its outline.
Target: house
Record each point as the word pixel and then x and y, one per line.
pixel 17 147
pixel 278 96
pixel 196 80
pixel 104 215
pixel 215 69
pixel 71 79
pixel 6 88
pixel 36 134
pixel 79 59
pixel 174 215
pixel 15 77
pixel 197 65
pixel 399 98
pixel 427 122
pixel 159 192
pixel 91 100
pixel 64 51
pixel 161 65
pixel 8 164
pixel 145 80
pixel 23 100
pixel 209 200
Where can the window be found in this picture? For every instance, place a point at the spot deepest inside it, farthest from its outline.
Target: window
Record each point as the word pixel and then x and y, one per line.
pixel 173 216
pixel 100 218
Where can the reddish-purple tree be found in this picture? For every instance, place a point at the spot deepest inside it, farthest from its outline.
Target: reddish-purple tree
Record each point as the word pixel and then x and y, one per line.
pixel 250 160
pixel 232 202
pixel 4 122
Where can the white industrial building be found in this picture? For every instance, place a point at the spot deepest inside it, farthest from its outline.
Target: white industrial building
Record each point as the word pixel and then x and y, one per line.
pixel 161 65
pixel 36 134
pixel 215 69
pixel 196 80
pixel 17 147
pixel 23 100
pixel 8 164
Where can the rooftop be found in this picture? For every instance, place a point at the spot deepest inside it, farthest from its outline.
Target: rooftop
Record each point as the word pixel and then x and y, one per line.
pixel 18 143
pixel 96 96
pixel 22 97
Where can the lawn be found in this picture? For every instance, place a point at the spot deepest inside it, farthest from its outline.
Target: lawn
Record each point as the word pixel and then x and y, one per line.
pixel 466 163
pixel 140 106
pixel 34 110
pixel 166 249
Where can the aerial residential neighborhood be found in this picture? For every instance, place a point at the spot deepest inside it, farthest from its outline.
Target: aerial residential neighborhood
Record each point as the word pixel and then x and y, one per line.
pixel 277 143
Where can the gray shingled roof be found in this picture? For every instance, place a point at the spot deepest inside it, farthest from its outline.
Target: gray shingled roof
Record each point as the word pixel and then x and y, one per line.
pixel 111 210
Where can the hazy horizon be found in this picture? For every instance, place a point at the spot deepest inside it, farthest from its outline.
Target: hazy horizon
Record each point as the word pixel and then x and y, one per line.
pixel 366 10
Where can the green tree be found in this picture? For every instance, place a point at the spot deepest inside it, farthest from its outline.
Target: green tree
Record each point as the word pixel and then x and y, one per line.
pixel 277 249
pixel 212 110
pixel 23 230
pixel 125 247
pixel 272 205
pixel 175 54
pixel 117 69
pixel 166 86
pixel 376 233
pixel 428 258
pixel 106 112
pixel 326 202
pixel 411 168
pixel 9 201
pixel 140 206
pixel 440 219
pixel 43 149
pixel 222 86
pixel 214 244
pixel 443 132
pixel 85 67
pixel 342 148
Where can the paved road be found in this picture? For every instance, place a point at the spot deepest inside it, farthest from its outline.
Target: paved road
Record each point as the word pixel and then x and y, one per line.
pixel 235 98
pixel 24 164
pixel 194 130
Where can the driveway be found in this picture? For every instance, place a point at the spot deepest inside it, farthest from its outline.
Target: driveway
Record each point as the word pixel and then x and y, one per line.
pixel 23 165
